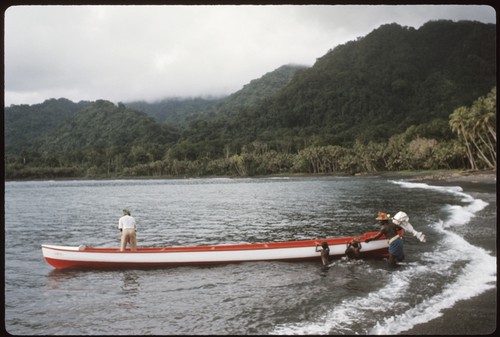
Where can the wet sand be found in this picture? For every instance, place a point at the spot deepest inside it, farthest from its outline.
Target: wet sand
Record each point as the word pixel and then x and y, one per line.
pixel 488 178
pixel 478 315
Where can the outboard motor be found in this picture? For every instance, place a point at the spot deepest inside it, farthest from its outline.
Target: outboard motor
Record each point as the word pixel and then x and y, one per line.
pixel 402 219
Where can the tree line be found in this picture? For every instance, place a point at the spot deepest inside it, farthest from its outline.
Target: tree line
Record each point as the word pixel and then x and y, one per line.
pixel 474 147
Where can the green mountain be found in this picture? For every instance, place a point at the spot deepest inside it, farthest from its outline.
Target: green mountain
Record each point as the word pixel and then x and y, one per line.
pixel 365 90
pixel 381 102
pixel 387 81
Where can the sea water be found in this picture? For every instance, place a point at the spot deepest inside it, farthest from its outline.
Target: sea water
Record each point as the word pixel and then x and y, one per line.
pixel 348 297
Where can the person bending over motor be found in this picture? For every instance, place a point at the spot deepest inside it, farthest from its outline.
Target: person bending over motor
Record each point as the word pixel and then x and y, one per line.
pixel 390 230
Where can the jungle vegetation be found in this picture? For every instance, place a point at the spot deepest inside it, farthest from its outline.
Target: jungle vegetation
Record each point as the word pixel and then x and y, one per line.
pixel 396 99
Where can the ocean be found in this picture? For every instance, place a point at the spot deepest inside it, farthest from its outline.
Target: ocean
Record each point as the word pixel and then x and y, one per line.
pixel 276 298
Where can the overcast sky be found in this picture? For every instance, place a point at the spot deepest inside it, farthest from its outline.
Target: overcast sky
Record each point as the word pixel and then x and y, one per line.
pixel 128 53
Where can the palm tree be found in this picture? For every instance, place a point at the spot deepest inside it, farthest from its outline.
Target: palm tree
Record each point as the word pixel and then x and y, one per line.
pixel 490 117
pixel 480 117
pixel 458 123
pixel 476 126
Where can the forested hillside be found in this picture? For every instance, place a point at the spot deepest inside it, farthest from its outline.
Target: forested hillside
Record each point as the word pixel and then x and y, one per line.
pixel 382 102
pixel 175 111
pixel 383 83
pixel 258 90
pixel 25 123
pixel 104 125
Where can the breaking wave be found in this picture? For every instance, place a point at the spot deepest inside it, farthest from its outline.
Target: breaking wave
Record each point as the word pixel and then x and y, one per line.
pixel 399 305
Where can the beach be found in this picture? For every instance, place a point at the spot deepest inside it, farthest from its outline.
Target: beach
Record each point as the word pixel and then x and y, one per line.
pixel 478 315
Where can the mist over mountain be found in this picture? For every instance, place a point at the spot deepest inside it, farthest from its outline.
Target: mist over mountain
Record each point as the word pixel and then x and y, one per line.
pixel 181 110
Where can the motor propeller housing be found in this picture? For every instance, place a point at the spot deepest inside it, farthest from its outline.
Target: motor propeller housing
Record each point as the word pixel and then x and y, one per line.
pixel 402 219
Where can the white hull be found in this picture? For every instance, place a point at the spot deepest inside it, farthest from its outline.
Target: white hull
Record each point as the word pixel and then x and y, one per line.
pixel 74 257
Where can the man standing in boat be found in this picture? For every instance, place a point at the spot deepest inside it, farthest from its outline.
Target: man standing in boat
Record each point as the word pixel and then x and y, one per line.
pixel 390 230
pixel 128 227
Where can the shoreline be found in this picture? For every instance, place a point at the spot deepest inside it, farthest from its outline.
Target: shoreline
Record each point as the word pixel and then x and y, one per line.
pixel 480 176
pixel 475 177
pixel 477 315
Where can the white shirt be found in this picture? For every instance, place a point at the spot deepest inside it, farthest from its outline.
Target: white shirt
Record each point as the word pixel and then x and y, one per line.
pixel 126 222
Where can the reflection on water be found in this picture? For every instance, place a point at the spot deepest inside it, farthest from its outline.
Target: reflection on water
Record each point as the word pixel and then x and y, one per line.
pixel 64 278
pixel 130 283
pixel 59 277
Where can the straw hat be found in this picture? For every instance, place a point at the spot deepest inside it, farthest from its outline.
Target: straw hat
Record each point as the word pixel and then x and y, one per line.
pixel 383 216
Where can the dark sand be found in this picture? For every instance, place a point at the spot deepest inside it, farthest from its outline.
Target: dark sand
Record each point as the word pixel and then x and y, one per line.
pixel 478 315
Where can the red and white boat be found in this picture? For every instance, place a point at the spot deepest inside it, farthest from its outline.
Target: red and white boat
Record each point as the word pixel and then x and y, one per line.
pixel 61 257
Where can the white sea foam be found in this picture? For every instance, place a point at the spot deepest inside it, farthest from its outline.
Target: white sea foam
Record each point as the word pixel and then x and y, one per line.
pixel 459 215
pixel 444 189
pixel 477 276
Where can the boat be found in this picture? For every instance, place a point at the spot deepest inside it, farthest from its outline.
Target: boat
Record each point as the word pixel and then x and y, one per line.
pixel 84 257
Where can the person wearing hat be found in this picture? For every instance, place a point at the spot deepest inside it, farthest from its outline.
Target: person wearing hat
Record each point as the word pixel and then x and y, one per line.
pixel 390 230
pixel 128 227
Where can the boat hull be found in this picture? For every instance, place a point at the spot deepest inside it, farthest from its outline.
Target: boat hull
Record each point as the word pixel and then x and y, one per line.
pixel 63 257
